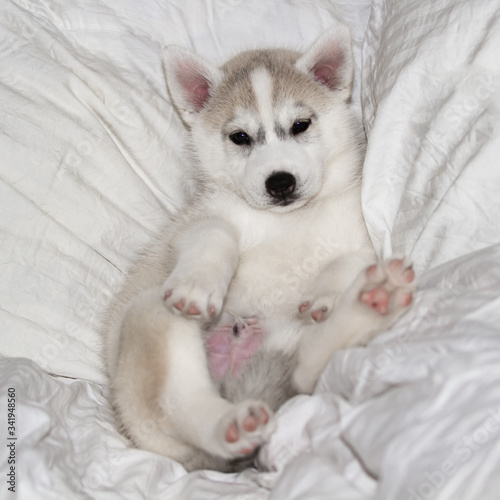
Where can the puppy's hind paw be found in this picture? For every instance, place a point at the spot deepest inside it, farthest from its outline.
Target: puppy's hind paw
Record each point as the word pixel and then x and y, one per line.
pixel 388 286
pixel 244 428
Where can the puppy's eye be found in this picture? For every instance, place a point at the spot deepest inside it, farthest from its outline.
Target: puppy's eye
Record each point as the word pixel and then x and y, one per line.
pixel 240 138
pixel 300 126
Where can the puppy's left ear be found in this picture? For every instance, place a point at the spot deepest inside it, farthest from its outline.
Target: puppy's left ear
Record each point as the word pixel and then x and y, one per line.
pixel 330 61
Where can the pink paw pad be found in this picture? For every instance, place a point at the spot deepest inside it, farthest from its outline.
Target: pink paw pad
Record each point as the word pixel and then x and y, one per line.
pixel 390 285
pixel 192 309
pixel 250 424
pixel 377 299
pixel 304 307
pixel 179 305
pixel 232 433
pixel 396 267
pixel 317 315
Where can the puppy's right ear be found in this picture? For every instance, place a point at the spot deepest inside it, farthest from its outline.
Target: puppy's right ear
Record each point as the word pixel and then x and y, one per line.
pixel 190 80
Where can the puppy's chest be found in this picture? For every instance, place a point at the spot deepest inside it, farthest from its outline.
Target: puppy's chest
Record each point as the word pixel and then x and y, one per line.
pixel 273 274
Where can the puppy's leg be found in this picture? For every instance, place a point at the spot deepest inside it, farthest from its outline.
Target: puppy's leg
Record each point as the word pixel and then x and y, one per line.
pixel 375 300
pixel 202 417
pixel 207 257
pixel 164 395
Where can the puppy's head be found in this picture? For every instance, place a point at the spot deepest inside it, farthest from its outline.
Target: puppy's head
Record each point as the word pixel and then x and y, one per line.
pixel 274 125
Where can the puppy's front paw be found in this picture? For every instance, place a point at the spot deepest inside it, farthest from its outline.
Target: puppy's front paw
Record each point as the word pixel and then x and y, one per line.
pixel 244 428
pixel 388 287
pixel 197 297
pixel 317 307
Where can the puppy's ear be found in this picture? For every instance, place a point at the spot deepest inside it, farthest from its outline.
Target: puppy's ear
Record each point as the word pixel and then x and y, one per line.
pixel 330 61
pixel 190 80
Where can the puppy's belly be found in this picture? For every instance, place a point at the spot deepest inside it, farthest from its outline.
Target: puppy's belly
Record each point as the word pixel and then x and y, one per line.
pixel 261 310
pixel 231 346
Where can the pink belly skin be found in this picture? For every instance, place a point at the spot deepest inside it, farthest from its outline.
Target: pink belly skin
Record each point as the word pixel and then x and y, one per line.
pixel 231 347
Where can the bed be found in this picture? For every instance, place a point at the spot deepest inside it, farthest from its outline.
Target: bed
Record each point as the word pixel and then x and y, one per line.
pixel 89 171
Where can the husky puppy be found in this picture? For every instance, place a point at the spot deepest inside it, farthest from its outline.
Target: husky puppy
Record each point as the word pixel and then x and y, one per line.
pixel 239 304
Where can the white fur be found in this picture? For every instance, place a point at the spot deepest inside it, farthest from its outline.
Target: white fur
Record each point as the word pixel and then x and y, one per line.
pixel 242 252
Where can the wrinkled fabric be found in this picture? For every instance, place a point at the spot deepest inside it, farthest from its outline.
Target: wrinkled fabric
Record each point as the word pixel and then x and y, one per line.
pixel 431 108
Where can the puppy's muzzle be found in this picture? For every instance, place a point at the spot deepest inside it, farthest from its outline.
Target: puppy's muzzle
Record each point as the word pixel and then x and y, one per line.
pixel 281 186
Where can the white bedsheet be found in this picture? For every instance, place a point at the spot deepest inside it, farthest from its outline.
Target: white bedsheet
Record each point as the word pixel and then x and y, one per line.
pixel 90 169
pixel 431 104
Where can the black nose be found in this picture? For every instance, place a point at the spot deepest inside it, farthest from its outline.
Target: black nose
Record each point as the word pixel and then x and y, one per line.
pixel 280 185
